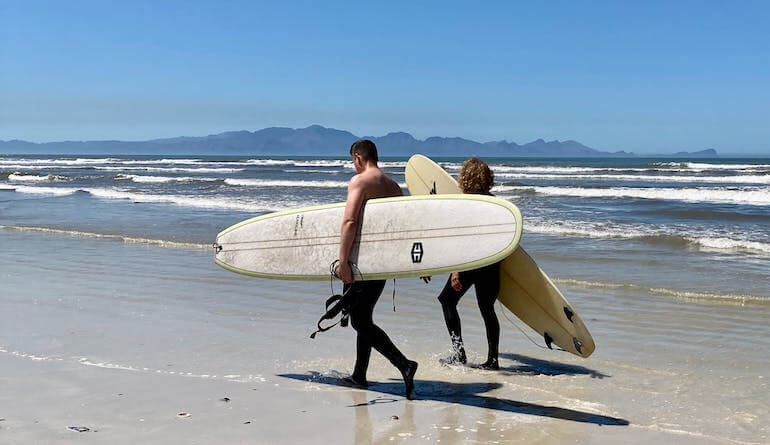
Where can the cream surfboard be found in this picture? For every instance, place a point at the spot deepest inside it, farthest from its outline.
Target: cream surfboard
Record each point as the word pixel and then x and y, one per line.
pixel 524 288
pixel 409 236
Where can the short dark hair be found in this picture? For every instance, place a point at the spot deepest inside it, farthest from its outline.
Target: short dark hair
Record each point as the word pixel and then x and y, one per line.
pixel 364 148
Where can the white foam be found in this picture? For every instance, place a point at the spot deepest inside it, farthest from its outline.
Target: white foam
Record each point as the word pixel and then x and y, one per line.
pixel 173 169
pixel 58 191
pixel 267 162
pixel 38 167
pixel 79 161
pixel 309 170
pixel 285 183
pixel 181 200
pixel 702 166
pixel 35 178
pixel 187 201
pixel 587 231
pixel 302 163
pixel 164 179
pixel 746 196
pixel 731 244
pixel 108 236
pixel 684 295
pixel 98 161
pixel 158 161
pixel 288 183
pixel 600 231
pixel 249 378
pixel 739 179
pixel 498 169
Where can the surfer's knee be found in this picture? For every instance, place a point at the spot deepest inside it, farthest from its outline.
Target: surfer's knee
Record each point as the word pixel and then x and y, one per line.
pixel 361 323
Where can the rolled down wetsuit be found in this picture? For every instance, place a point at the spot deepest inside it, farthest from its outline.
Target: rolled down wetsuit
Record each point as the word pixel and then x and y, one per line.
pixel 363 297
pixel 487 282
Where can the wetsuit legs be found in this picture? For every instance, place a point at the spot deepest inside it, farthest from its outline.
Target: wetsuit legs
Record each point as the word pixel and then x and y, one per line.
pixel 487 288
pixel 487 283
pixel 487 308
pixel 364 296
pixel 449 299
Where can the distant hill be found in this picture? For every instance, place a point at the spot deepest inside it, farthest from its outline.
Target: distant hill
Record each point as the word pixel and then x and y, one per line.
pixel 708 153
pixel 314 140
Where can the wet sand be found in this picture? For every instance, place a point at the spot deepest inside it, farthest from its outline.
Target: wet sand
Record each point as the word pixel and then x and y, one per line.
pixel 123 338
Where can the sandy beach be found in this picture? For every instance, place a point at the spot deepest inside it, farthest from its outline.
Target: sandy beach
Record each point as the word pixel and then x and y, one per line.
pixel 146 344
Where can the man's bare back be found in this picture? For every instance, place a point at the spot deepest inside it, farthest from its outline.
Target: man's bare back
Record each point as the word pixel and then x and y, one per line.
pixel 375 184
pixel 369 183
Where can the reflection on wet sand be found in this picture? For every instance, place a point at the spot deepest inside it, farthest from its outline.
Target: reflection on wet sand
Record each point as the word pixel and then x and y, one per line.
pixel 402 427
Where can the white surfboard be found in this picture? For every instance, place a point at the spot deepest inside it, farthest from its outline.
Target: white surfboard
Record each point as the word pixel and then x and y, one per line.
pixel 407 236
pixel 524 288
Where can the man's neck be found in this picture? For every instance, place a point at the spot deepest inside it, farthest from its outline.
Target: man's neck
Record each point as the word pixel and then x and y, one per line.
pixel 369 166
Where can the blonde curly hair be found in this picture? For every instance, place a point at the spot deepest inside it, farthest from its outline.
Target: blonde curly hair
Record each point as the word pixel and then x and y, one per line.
pixel 476 177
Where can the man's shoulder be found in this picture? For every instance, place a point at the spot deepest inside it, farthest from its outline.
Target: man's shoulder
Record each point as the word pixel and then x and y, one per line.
pixel 355 180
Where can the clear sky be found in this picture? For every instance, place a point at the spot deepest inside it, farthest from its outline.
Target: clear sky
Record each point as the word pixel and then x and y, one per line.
pixel 638 76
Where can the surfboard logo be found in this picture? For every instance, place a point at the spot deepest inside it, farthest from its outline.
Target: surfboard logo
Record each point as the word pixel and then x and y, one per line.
pixel 417 252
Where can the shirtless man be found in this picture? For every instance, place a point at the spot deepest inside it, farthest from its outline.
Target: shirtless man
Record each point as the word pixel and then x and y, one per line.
pixel 369 183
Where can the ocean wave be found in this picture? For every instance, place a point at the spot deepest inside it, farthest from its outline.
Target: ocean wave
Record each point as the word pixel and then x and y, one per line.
pixel 739 179
pixel 678 294
pixel 58 191
pixel 164 179
pixel 98 161
pixel 209 202
pixel 650 235
pixel 545 169
pixel 42 167
pixel 267 162
pixel 78 161
pixel 171 169
pixel 16 177
pixel 181 200
pixel 707 166
pixel 288 183
pixel 731 244
pixel 303 163
pixel 160 161
pixel 109 236
pixel 309 170
pixel 759 196
pixel 285 183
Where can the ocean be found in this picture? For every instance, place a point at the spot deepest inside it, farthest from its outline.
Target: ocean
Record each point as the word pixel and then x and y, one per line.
pixel 695 230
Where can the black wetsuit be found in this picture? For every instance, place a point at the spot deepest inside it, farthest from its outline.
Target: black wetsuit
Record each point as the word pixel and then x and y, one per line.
pixel 487 282
pixel 363 297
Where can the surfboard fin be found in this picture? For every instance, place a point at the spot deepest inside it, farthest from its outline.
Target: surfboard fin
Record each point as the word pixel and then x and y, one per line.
pixel 548 340
pixel 578 344
pixel 569 314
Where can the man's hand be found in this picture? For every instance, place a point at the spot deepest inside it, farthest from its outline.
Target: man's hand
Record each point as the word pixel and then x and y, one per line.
pixel 425 279
pixel 455 281
pixel 344 273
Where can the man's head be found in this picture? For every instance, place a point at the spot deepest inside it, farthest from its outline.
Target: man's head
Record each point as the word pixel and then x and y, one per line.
pixel 363 151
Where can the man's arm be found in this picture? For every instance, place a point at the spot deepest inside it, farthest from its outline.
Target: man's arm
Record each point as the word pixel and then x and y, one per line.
pixel 349 227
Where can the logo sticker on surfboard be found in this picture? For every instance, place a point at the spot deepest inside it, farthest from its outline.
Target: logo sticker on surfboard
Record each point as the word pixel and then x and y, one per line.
pixel 417 252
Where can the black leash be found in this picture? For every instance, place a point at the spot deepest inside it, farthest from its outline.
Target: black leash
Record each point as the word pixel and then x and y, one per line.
pixel 340 303
pixel 337 303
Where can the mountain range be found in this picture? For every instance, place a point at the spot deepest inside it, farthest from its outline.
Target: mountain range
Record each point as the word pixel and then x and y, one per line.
pixel 316 140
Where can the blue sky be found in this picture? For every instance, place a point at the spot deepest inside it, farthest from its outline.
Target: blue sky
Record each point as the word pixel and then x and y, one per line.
pixel 638 76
